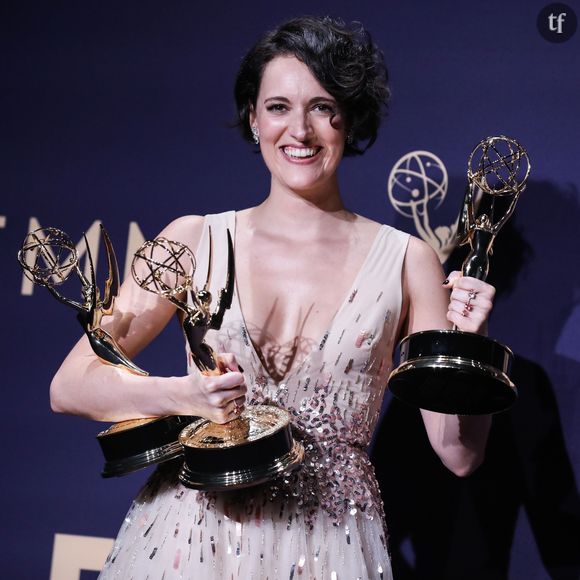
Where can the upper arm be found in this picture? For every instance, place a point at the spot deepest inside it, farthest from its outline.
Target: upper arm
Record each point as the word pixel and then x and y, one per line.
pixel 426 300
pixel 138 315
pixel 459 444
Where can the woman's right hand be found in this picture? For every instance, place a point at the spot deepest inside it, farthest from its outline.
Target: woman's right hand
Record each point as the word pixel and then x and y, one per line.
pixel 85 386
pixel 219 398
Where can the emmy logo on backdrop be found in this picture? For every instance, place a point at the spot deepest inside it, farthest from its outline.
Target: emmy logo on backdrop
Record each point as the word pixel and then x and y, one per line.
pixel 417 185
pixel 457 372
pixel 48 257
pixel 257 443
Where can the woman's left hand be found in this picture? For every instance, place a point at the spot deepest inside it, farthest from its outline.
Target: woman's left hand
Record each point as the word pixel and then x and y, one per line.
pixel 470 303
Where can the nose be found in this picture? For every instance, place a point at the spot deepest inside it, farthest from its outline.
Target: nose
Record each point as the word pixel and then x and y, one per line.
pixel 300 127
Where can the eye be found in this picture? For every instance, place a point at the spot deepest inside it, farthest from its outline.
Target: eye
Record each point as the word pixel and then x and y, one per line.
pixel 276 108
pixel 325 108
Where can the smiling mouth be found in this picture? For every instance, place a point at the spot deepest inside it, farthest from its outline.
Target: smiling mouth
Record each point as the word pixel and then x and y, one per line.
pixel 301 152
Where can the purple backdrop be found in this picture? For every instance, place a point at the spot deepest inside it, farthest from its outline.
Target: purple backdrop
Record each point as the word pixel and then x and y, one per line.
pixel 121 112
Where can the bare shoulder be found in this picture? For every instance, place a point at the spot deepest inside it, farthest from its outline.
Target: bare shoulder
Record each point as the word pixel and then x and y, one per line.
pixel 186 229
pixel 425 296
pixel 421 266
pixel 366 228
pixel 365 222
pixel 420 254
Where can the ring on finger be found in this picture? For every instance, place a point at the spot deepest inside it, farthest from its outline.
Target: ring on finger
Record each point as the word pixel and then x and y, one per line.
pixel 468 307
pixel 237 407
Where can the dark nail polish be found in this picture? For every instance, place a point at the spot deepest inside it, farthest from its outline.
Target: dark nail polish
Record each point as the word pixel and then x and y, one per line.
pixel 240 368
pixel 446 281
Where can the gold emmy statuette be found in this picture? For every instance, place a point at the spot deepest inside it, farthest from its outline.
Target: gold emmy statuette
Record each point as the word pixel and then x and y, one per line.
pixel 48 257
pixel 256 445
pixel 457 372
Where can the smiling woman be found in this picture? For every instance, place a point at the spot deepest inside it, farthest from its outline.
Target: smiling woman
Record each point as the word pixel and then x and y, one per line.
pixel 343 60
pixel 322 295
pixel 300 127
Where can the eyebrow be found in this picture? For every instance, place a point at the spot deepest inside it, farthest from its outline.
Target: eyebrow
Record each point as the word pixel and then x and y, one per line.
pixel 313 100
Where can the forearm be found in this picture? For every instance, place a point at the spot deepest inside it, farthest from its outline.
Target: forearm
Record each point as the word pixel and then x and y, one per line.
pixel 86 386
pixel 458 440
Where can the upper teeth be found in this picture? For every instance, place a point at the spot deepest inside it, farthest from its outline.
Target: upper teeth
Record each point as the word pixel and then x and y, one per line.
pixel 301 152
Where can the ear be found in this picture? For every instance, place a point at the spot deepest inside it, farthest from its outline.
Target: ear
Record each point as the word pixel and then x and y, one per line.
pixel 252 116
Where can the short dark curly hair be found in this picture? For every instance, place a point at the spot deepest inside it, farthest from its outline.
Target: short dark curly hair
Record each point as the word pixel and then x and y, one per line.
pixel 342 58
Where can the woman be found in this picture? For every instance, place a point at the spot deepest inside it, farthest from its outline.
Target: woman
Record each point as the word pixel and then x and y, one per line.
pixel 322 296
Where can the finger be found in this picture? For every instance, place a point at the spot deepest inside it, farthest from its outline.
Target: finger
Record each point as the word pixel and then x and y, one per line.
pixel 232 381
pixel 472 298
pixel 237 395
pixel 222 416
pixel 230 411
pixel 226 381
pixel 469 316
pixel 470 284
pixel 240 402
pixel 463 318
pixel 474 285
pixel 222 399
pixel 459 307
pixel 461 322
pixel 228 361
pixel 238 405
pixel 462 295
pixel 451 279
pixel 468 323
pixel 465 303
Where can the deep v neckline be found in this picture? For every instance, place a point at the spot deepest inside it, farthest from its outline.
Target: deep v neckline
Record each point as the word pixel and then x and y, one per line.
pixel 232 225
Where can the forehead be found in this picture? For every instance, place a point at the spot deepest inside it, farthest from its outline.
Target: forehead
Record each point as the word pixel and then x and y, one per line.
pixel 286 76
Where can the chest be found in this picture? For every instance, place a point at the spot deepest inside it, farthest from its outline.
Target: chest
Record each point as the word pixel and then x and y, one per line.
pixel 290 290
pixel 303 307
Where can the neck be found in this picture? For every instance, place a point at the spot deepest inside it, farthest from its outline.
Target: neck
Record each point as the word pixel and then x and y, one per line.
pixel 301 214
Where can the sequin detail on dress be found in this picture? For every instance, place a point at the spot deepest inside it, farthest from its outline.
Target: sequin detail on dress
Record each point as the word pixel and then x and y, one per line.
pixel 337 475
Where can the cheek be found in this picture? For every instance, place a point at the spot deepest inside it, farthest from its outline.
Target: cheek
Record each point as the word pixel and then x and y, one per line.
pixel 333 135
pixel 338 143
pixel 271 129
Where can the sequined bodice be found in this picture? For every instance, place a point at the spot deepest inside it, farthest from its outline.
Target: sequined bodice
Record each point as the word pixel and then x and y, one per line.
pixel 334 394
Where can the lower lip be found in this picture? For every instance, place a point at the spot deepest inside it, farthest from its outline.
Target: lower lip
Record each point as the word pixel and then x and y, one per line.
pixel 301 160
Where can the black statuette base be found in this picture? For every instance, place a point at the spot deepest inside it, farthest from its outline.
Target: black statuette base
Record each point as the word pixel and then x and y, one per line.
pixel 132 449
pixel 254 448
pixel 454 372
pixel 242 477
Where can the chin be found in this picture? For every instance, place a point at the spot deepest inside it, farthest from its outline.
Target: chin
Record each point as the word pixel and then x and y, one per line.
pixel 307 185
